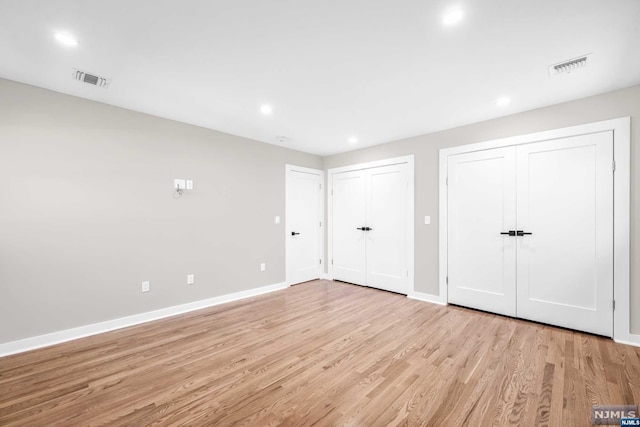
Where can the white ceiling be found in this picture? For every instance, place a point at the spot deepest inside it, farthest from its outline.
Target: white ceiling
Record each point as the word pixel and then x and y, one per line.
pixel 331 69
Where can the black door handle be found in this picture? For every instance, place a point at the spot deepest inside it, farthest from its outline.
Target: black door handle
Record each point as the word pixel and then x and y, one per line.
pixel 362 228
pixel 522 233
pixel 293 233
pixel 368 229
pixel 509 233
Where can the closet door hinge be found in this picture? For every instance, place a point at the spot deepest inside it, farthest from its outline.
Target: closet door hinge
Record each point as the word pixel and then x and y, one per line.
pixel 446 181
pixel 446 280
pixel 613 165
pixel 614 305
pixel 320 260
pixel 331 262
pixel 321 186
pixel 332 191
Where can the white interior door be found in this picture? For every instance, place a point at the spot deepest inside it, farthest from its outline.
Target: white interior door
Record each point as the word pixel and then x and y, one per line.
pixel 348 219
pixel 386 245
pixel 565 199
pixel 481 206
pixel 303 224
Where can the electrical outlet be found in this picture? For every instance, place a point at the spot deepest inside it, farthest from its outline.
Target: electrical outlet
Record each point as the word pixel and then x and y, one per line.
pixel 190 279
pixel 145 286
pixel 263 266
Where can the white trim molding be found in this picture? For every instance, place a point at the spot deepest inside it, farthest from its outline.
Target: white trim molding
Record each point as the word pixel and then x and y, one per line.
pixel 621 129
pixel 58 337
pixel 434 299
pixel 410 162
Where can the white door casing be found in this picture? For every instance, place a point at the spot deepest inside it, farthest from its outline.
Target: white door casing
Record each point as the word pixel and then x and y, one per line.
pixel 482 205
pixel 304 220
pixel 565 199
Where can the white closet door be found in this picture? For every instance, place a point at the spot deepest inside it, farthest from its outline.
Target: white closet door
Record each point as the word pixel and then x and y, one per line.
pixel 387 192
pixel 349 214
pixel 304 201
pixel 565 199
pixel 481 205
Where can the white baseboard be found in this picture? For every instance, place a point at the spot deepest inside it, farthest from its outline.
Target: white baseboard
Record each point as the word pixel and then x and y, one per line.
pixel 631 339
pixel 434 299
pixel 46 340
pixel 325 276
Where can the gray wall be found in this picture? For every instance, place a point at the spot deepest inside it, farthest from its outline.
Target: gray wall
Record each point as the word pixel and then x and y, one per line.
pixel 426 148
pixel 87 212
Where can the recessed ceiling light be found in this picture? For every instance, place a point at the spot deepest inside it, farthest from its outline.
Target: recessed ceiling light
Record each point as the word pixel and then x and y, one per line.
pixel 266 109
pixel 452 16
pixel 353 140
pixel 502 101
pixel 66 39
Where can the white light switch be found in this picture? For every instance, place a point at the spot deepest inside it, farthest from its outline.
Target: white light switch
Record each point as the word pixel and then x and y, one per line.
pixel 263 266
pixel 277 220
pixel 189 184
pixel 190 279
pixel 179 184
pixel 427 220
pixel 145 286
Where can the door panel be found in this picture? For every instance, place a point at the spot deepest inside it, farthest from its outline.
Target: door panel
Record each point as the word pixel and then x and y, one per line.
pixel 481 205
pixel 565 199
pixel 387 217
pixel 304 198
pixel 349 257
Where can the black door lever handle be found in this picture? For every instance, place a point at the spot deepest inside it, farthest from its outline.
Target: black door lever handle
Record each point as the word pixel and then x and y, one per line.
pixel 509 233
pixel 522 233
pixel 293 233
pixel 362 228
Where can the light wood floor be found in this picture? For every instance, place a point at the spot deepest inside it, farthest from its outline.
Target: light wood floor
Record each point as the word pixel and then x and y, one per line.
pixel 322 353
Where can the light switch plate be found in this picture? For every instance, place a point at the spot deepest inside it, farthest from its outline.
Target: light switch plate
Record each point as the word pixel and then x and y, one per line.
pixel 179 184
pixel 189 184
pixel 263 266
pixel 145 286
pixel 277 220
pixel 191 278
pixel 427 220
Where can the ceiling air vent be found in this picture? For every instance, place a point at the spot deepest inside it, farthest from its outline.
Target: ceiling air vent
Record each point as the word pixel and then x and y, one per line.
pixel 566 67
pixel 91 79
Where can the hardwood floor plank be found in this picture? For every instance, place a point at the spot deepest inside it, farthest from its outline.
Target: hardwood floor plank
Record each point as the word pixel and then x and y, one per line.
pixel 322 353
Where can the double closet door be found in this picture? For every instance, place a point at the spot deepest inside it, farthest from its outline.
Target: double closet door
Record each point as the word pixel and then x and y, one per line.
pixel 530 231
pixel 369 227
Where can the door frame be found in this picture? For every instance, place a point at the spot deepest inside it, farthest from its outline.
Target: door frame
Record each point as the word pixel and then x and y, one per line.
pixel 621 128
pixel 409 161
pixel 322 195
